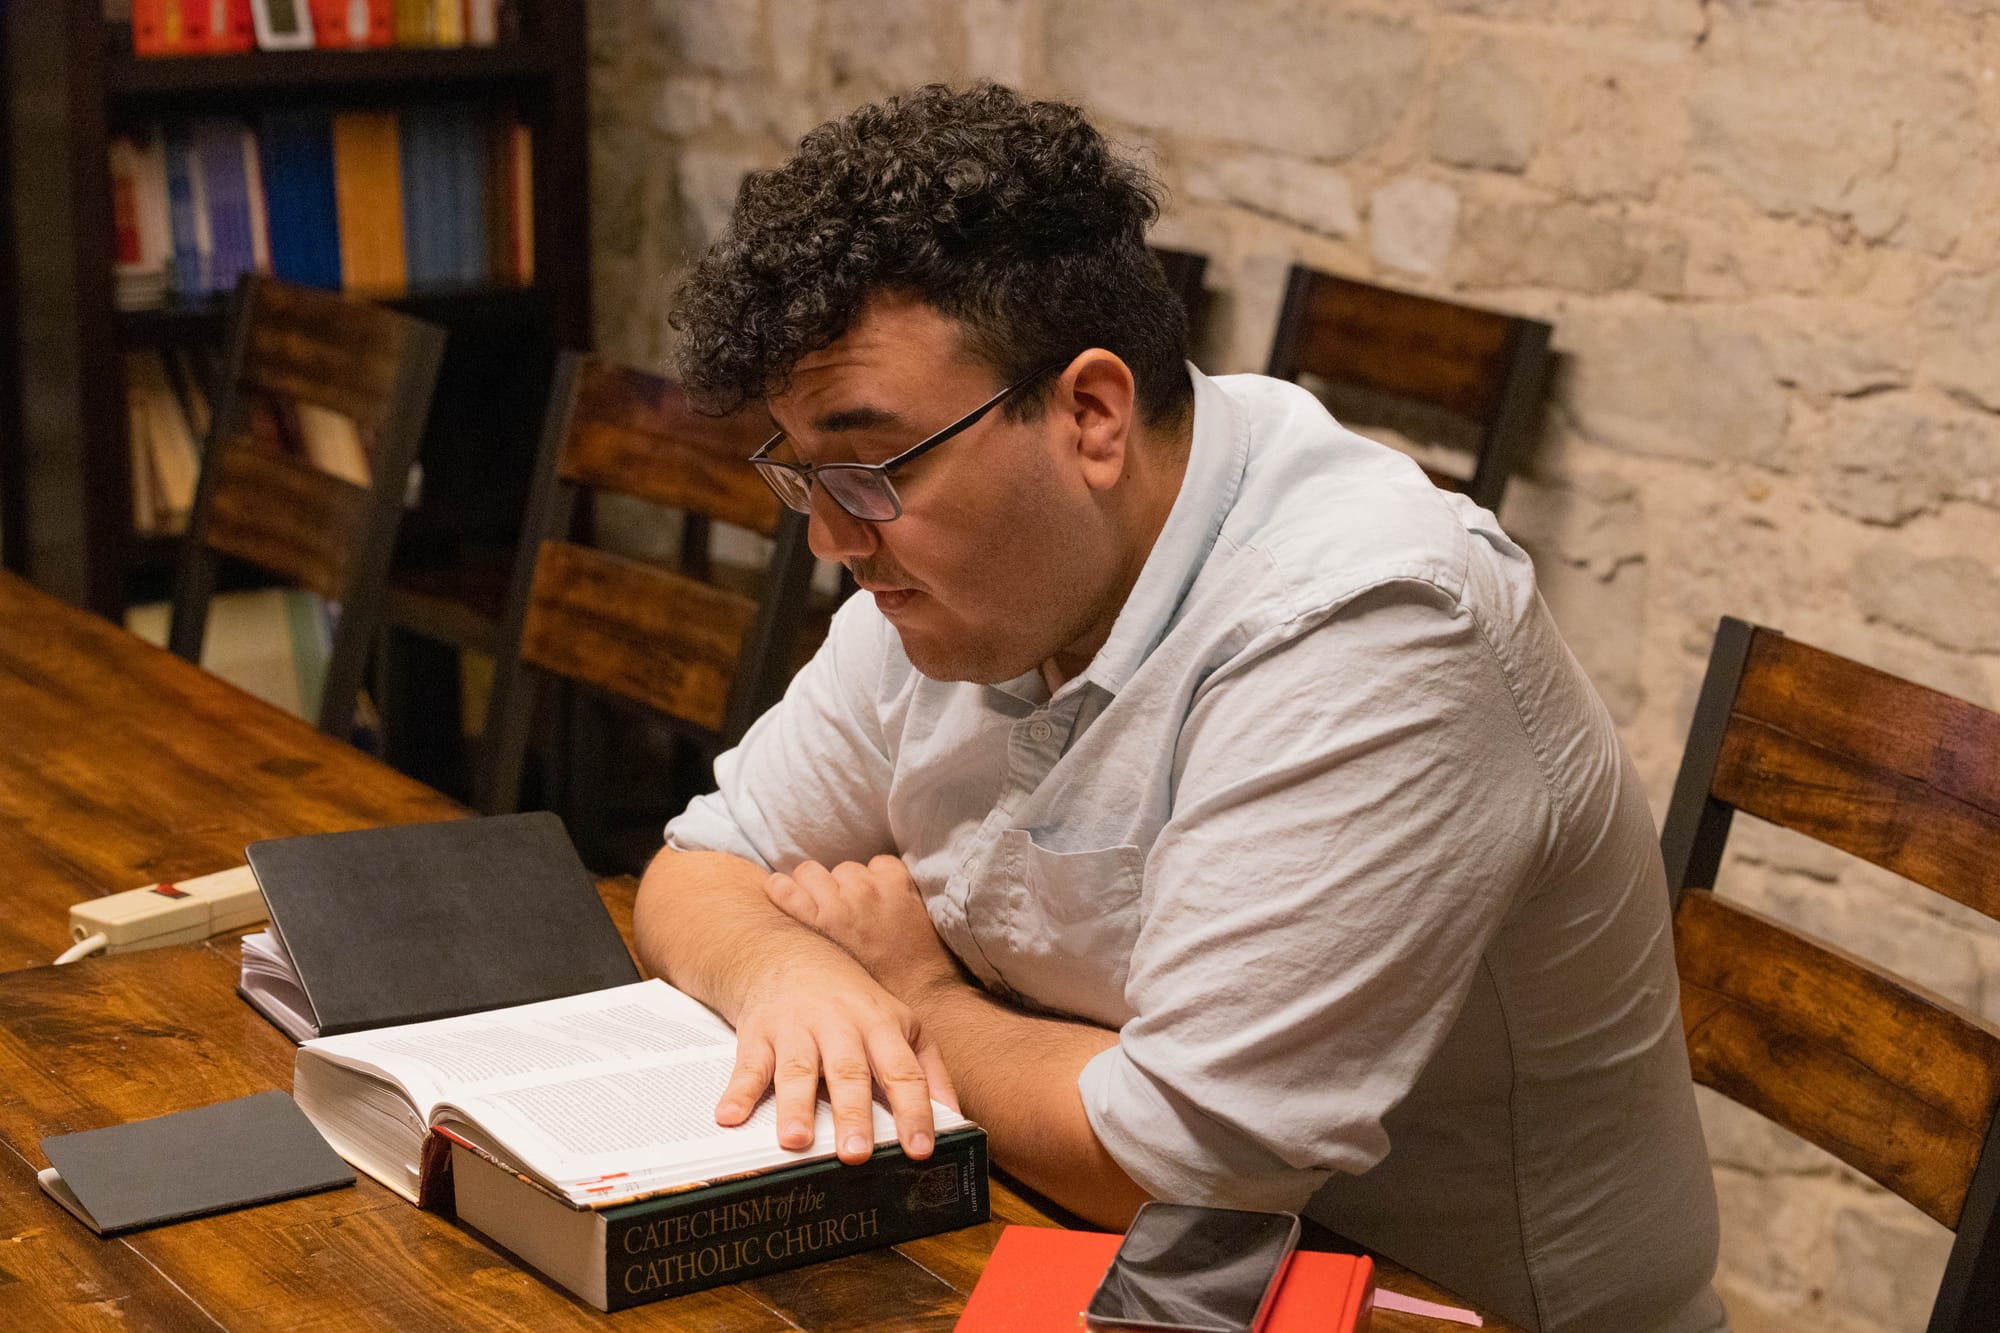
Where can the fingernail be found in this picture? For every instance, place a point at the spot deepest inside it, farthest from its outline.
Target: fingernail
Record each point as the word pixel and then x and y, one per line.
pixel 856 1144
pixel 920 1145
pixel 729 1109
pixel 797 1130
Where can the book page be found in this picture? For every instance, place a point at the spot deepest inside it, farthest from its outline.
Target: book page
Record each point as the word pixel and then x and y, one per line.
pixel 458 1057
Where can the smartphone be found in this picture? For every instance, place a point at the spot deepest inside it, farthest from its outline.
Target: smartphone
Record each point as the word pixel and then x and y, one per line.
pixel 1194 1270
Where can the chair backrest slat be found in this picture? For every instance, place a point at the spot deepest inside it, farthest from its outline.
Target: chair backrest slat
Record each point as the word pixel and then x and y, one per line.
pixel 636 434
pixel 636 630
pixel 1484 368
pixel 292 520
pixel 313 347
pixel 704 654
pixel 1401 343
pixel 1904 728
pixel 311 382
pixel 1898 1084
pixel 1868 810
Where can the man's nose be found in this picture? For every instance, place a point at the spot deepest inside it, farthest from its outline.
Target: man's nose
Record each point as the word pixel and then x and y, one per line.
pixel 834 534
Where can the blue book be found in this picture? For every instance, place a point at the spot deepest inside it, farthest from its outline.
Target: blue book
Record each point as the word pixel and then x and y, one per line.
pixel 298 183
pixel 469 171
pixel 181 214
pixel 415 145
pixel 225 191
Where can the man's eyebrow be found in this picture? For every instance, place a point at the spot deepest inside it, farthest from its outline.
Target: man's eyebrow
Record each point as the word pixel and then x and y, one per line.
pixel 856 418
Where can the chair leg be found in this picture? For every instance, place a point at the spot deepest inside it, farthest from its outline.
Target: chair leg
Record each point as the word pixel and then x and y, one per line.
pixel 419 702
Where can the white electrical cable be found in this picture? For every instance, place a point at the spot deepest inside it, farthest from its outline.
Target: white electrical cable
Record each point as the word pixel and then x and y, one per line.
pixel 83 948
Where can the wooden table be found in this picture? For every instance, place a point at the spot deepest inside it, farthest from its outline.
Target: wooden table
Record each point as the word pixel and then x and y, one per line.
pixel 120 765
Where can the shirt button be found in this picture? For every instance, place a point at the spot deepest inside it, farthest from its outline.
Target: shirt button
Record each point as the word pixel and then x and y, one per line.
pixel 1039 730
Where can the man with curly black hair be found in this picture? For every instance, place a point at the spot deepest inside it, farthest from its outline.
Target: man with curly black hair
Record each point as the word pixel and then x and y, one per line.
pixel 1197 795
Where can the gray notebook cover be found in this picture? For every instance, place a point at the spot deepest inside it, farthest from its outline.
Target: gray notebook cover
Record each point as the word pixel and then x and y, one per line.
pixel 422 921
pixel 230 1155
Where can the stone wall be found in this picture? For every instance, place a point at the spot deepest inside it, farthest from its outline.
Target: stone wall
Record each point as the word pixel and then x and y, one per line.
pixel 1765 232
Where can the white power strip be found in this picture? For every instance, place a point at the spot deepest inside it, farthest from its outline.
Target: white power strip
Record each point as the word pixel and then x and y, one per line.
pixel 178 913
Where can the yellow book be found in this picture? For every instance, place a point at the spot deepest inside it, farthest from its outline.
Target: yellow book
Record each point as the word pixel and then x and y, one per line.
pixel 448 23
pixel 368 201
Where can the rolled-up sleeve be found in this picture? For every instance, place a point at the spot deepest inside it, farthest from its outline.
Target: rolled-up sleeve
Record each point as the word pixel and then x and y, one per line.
pixel 1357 800
pixel 809 780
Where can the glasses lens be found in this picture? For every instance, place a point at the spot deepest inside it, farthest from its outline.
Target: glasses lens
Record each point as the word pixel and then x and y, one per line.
pixel 792 488
pixel 864 493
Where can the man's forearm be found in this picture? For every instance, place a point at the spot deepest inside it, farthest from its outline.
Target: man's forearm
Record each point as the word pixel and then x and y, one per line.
pixel 704 923
pixel 1017 1077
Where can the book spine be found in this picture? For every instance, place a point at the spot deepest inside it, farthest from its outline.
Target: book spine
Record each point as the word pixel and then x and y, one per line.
pixel 705 1238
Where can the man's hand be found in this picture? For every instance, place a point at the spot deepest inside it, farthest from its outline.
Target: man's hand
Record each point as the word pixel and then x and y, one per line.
pixel 875 913
pixel 833 1021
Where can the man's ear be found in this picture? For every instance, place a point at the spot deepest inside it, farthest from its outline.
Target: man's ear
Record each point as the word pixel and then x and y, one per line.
pixel 1101 397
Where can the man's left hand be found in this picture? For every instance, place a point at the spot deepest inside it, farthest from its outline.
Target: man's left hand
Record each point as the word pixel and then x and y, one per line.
pixel 874 912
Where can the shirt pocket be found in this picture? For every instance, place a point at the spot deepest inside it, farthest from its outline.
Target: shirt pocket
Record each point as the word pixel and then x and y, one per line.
pixel 1066 923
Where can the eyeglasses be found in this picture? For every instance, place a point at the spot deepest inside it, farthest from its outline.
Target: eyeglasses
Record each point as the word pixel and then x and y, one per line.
pixel 864 489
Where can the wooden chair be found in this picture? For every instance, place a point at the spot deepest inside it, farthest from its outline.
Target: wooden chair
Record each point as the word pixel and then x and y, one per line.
pixel 1479 369
pixel 1900 1084
pixel 1184 270
pixel 298 359
pixel 680 642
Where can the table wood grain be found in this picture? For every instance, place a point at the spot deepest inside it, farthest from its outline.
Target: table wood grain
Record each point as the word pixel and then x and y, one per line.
pixel 121 765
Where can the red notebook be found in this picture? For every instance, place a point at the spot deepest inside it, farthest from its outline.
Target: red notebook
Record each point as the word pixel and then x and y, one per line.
pixel 1040 1278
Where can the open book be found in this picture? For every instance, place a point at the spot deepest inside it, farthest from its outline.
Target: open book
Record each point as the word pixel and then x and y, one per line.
pixel 599 1098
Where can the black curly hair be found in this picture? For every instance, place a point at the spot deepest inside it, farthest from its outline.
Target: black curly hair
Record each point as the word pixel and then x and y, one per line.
pixel 1013 217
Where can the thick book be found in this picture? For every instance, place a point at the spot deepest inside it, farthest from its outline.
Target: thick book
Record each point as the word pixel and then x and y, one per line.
pixel 424 921
pixel 1040 1278
pixel 231 1154
pixel 580 1134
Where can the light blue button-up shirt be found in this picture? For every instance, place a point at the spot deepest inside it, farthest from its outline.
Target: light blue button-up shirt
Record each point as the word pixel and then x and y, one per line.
pixel 1336 834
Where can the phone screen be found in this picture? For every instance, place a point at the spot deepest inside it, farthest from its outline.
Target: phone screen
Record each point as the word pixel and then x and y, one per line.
pixel 1183 1267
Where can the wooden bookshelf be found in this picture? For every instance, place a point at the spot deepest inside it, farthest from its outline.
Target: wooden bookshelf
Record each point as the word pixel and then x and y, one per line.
pixel 71 81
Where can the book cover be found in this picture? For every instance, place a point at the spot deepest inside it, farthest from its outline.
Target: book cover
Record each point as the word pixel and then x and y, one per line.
pixel 299 191
pixel 448 22
pixel 231 28
pixel 150 27
pixel 424 921
pixel 197 23
pixel 522 163
pixel 672 1244
pixel 183 213
pixel 1040 1278
pixel 368 197
pixel 413 22
pixel 224 192
pixel 231 1154
pixel 341 24
pixel 259 215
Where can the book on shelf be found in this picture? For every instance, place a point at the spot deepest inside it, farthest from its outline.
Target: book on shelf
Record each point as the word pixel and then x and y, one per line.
pixel 579 1134
pixel 220 27
pixel 379 203
pixel 421 921
pixel 165 439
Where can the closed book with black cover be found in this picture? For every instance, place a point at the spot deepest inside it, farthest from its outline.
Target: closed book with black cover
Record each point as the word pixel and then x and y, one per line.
pixel 207 1160
pixel 673 1244
pixel 426 921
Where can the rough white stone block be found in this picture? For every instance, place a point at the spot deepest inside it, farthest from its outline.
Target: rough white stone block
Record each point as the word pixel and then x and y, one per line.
pixel 1661 382
pixel 1952 600
pixel 1411 222
pixel 1487 114
pixel 710 34
pixel 1306 80
pixel 1316 197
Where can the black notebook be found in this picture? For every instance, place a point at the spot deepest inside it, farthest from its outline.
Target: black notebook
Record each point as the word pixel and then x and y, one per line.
pixel 422 921
pixel 208 1160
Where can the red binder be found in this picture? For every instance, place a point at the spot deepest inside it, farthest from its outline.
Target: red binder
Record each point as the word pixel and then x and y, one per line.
pixel 1040 1278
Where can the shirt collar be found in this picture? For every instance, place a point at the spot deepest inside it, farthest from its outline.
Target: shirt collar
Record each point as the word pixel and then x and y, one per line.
pixel 1216 461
